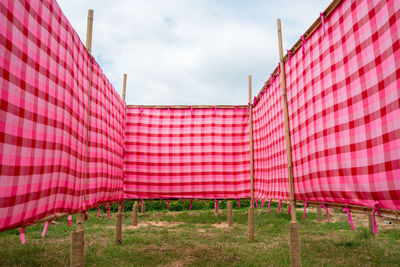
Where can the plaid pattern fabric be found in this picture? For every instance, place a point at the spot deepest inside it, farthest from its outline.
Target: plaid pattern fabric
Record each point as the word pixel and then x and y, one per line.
pixel 270 162
pixel 344 97
pixel 44 81
pixel 184 153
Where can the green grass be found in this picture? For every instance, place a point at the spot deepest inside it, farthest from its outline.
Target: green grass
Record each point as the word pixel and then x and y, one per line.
pixel 201 238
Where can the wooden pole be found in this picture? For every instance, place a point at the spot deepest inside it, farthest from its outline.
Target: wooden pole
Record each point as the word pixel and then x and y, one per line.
pixel 230 214
pixel 370 223
pixel 118 219
pixel 251 209
pixel 319 214
pixel 143 207
pixel 135 214
pixel 77 251
pixel 294 226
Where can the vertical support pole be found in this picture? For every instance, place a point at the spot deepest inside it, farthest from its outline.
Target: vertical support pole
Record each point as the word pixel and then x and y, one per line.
pixel 370 223
pixel 294 226
pixel 143 207
pixel 230 214
pixel 118 219
pixel 135 214
pixel 319 214
pixel 77 250
pixel 251 209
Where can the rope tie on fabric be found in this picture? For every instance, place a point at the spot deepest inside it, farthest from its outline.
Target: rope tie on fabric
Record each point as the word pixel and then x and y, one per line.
pixel 191 204
pixel 289 55
pixel 304 212
pixel 303 42
pixel 349 217
pixel 22 235
pixel 108 210
pixel 289 208
pixel 262 203
pixel 269 205
pixel 323 21
pixel 98 212
pixel 46 227
pixel 327 211
pixel 69 220
pixel 376 209
pixel 279 205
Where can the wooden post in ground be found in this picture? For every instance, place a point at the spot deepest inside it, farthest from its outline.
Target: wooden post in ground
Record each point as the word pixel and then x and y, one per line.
pixel 230 214
pixel 370 223
pixel 251 209
pixel 319 214
pixel 143 207
pixel 77 250
pixel 118 219
pixel 294 226
pixel 135 214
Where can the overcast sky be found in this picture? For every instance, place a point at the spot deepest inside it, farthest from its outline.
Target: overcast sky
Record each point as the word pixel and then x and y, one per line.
pixel 190 51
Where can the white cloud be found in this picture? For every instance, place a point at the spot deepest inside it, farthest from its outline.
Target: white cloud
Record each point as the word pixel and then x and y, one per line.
pixel 190 52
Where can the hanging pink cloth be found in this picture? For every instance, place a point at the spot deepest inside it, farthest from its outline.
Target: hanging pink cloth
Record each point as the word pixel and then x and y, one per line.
pixel 269 205
pixel 327 211
pixel 323 21
pixel 257 203
pixel 141 111
pixel 98 212
pixel 262 203
pixel 376 209
pixel 191 204
pixel 108 211
pixel 279 205
pixel 216 204
pixel 289 208
pixel 304 212
pixel 46 227
pixel 303 42
pixel 349 217
pixel 22 235
pixel 69 220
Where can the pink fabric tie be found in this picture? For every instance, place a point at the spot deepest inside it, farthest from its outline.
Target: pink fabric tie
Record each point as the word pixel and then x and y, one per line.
pixel 262 203
pixel 123 205
pixel 22 235
pixel 376 209
pixel 216 204
pixel 69 220
pixel 289 208
pixel 279 205
pixel 239 202
pixel 108 211
pixel 168 204
pixel 46 227
pixel 98 213
pixel 327 211
pixel 86 215
pixel 323 21
pixel 349 217
pixel 304 212
pixel 257 203
pixel 269 205
pixel 303 42
pixel 289 55
pixel 191 204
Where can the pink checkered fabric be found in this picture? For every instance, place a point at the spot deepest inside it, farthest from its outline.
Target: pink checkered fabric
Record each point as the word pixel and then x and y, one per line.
pixel 44 81
pixel 179 153
pixel 343 95
pixel 270 162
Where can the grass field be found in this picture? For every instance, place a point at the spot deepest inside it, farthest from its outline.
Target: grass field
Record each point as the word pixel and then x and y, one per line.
pixel 201 238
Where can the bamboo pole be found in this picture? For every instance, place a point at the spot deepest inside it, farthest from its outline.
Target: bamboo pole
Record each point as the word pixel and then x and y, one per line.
pixel 251 209
pixel 294 226
pixel 319 214
pixel 77 251
pixel 370 223
pixel 230 214
pixel 143 207
pixel 135 214
pixel 118 219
